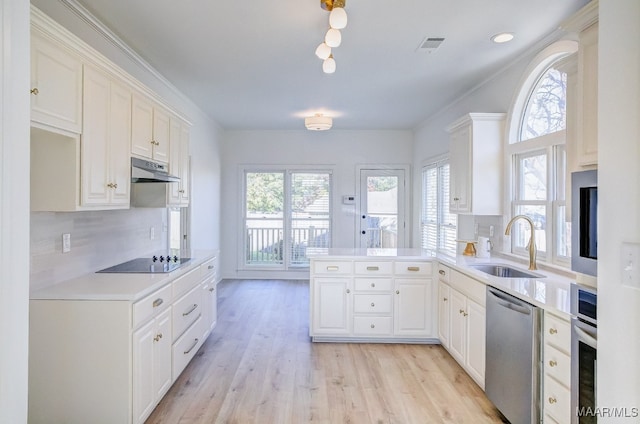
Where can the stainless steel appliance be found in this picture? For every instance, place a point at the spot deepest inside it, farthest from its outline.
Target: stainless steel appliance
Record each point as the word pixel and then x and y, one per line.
pixel 146 171
pixel 512 370
pixel 584 340
pixel 152 265
pixel 584 222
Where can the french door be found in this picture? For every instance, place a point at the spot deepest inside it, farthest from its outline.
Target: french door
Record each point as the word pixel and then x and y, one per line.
pixel 381 220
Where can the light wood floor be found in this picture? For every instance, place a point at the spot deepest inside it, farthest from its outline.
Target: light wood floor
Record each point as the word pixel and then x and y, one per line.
pixel 259 366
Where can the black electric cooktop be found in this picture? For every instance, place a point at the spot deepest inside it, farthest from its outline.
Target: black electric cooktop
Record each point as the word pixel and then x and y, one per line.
pixel 153 265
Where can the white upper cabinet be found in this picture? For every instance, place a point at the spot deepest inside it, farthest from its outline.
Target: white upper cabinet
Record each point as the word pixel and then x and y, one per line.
pixel 105 141
pixel 56 86
pixel 476 164
pixel 178 193
pixel 150 130
pixel 582 92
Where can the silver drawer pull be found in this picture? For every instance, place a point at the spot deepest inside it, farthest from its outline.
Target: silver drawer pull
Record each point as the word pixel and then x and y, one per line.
pixel 193 308
pixel 157 302
pixel 332 268
pixel 210 267
pixel 441 272
pixel 373 326
pixel 373 284
pixel 195 343
pixel 373 305
pixel 212 289
pixel 413 268
pixel 157 337
pixel 373 268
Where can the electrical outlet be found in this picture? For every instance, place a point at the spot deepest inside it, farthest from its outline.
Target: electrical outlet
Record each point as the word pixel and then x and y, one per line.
pixel 491 230
pixel 66 243
pixel 152 233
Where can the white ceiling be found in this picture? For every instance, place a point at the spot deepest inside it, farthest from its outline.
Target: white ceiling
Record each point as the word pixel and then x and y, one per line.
pixel 251 64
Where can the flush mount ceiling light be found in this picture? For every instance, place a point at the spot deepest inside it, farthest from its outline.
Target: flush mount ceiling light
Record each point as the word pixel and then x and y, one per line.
pixel 318 122
pixel 333 37
pixel 503 37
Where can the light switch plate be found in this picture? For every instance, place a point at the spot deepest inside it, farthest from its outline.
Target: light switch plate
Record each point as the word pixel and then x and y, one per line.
pixel 66 243
pixel 630 264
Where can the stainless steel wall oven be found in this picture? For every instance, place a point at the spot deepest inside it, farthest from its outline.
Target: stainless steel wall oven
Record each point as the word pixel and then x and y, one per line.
pixel 584 339
pixel 584 222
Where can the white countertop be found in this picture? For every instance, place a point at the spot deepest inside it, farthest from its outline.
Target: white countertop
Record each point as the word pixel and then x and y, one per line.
pixel 112 286
pixel 551 292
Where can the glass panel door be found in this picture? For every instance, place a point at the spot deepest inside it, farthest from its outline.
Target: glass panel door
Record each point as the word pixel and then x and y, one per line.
pixel 382 208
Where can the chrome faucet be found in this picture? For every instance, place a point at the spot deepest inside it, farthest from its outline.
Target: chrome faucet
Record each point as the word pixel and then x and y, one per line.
pixel 532 244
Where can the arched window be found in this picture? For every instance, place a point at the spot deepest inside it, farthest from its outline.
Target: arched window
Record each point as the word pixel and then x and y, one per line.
pixel 537 158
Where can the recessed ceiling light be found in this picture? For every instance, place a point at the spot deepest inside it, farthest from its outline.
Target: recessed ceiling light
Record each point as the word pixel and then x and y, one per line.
pixel 503 37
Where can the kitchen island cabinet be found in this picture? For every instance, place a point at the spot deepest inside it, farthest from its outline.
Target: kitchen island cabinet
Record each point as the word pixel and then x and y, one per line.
pixel 378 295
pixel 105 348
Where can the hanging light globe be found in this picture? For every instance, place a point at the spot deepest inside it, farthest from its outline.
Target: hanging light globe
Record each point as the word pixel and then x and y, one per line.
pixel 333 38
pixel 338 18
pixel 329 65
pixel 323 51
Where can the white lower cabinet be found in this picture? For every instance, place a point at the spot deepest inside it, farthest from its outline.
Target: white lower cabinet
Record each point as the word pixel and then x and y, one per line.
pixel 463 322
pixel 151 364
pixel 373 299
pixel 556 399
pixel 111 361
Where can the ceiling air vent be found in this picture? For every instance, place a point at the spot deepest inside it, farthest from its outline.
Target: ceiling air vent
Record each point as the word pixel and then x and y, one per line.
pixel 430 44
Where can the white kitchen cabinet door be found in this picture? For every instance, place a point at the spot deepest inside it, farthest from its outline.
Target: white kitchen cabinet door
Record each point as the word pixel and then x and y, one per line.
pixel 105 139
pixel 476 164
pixel 161 135
pixel 476 345
pixel 151 365
pixel 444 320
pixel 210 303
pixel 331 306
pixel 457 345
pixel 56 86
pixel 142 127
pixel 412 307
pixel 178 193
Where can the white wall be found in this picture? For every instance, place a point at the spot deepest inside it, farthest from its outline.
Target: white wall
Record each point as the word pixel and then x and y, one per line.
pixel 205 167
pixel 619 204
pixel 340 150
pixel 14 209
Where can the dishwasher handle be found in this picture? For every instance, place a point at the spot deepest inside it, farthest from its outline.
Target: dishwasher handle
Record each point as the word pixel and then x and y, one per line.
pixel 508 302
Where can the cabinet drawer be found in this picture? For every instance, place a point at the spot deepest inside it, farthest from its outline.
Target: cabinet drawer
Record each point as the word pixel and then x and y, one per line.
pixel 418 269
pixel 443 273
pixel 185 282
pixel 557 332
pixel 373 268
pixel 332 267
pixel 186 347
pixel 186 311
pixel 372 303
pixel 373 326
pixel 208 268
pixel 473 289
pixel 556 401
pixel 373 284
pixel 557 364
pixel 151 305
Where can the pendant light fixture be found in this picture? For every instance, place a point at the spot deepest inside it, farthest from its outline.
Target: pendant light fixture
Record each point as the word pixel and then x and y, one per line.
pixel 333 37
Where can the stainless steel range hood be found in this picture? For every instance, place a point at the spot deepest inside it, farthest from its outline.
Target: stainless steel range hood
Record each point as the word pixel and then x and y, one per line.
pixel 146 171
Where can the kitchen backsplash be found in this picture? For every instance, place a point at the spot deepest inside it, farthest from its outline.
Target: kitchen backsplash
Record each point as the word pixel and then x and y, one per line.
pixel 98 239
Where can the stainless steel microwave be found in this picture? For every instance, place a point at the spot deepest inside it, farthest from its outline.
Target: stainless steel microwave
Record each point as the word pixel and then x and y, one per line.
pixel 584 222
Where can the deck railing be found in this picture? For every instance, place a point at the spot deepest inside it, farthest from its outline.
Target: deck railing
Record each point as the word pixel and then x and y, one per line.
pixel 266 245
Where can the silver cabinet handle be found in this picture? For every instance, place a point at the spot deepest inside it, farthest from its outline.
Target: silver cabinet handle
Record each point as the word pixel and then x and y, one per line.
pixel 441 272
pixel 397 291
pixel 413 268
pixel 195 343
pixel 348 291
pixel 373 326
pixel 193 308
pixel 373 305
pixel 444 299
pixel 157 302
pixel 373 268
pixel 157 337
pixel 210 267
pixel 373 284
pixel 211 289
pixel 332 268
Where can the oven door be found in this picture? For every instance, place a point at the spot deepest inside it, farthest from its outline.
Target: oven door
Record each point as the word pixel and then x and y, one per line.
pixel 583 372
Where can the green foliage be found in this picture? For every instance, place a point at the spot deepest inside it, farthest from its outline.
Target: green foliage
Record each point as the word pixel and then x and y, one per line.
pixel 265 192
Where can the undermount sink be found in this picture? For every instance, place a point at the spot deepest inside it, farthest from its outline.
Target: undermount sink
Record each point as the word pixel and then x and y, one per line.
pixel 505 271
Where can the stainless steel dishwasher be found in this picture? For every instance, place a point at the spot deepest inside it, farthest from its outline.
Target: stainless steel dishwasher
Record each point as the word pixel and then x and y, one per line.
pixel 512 378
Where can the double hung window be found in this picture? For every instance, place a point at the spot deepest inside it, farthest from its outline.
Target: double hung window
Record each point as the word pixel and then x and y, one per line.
pixel 438 226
